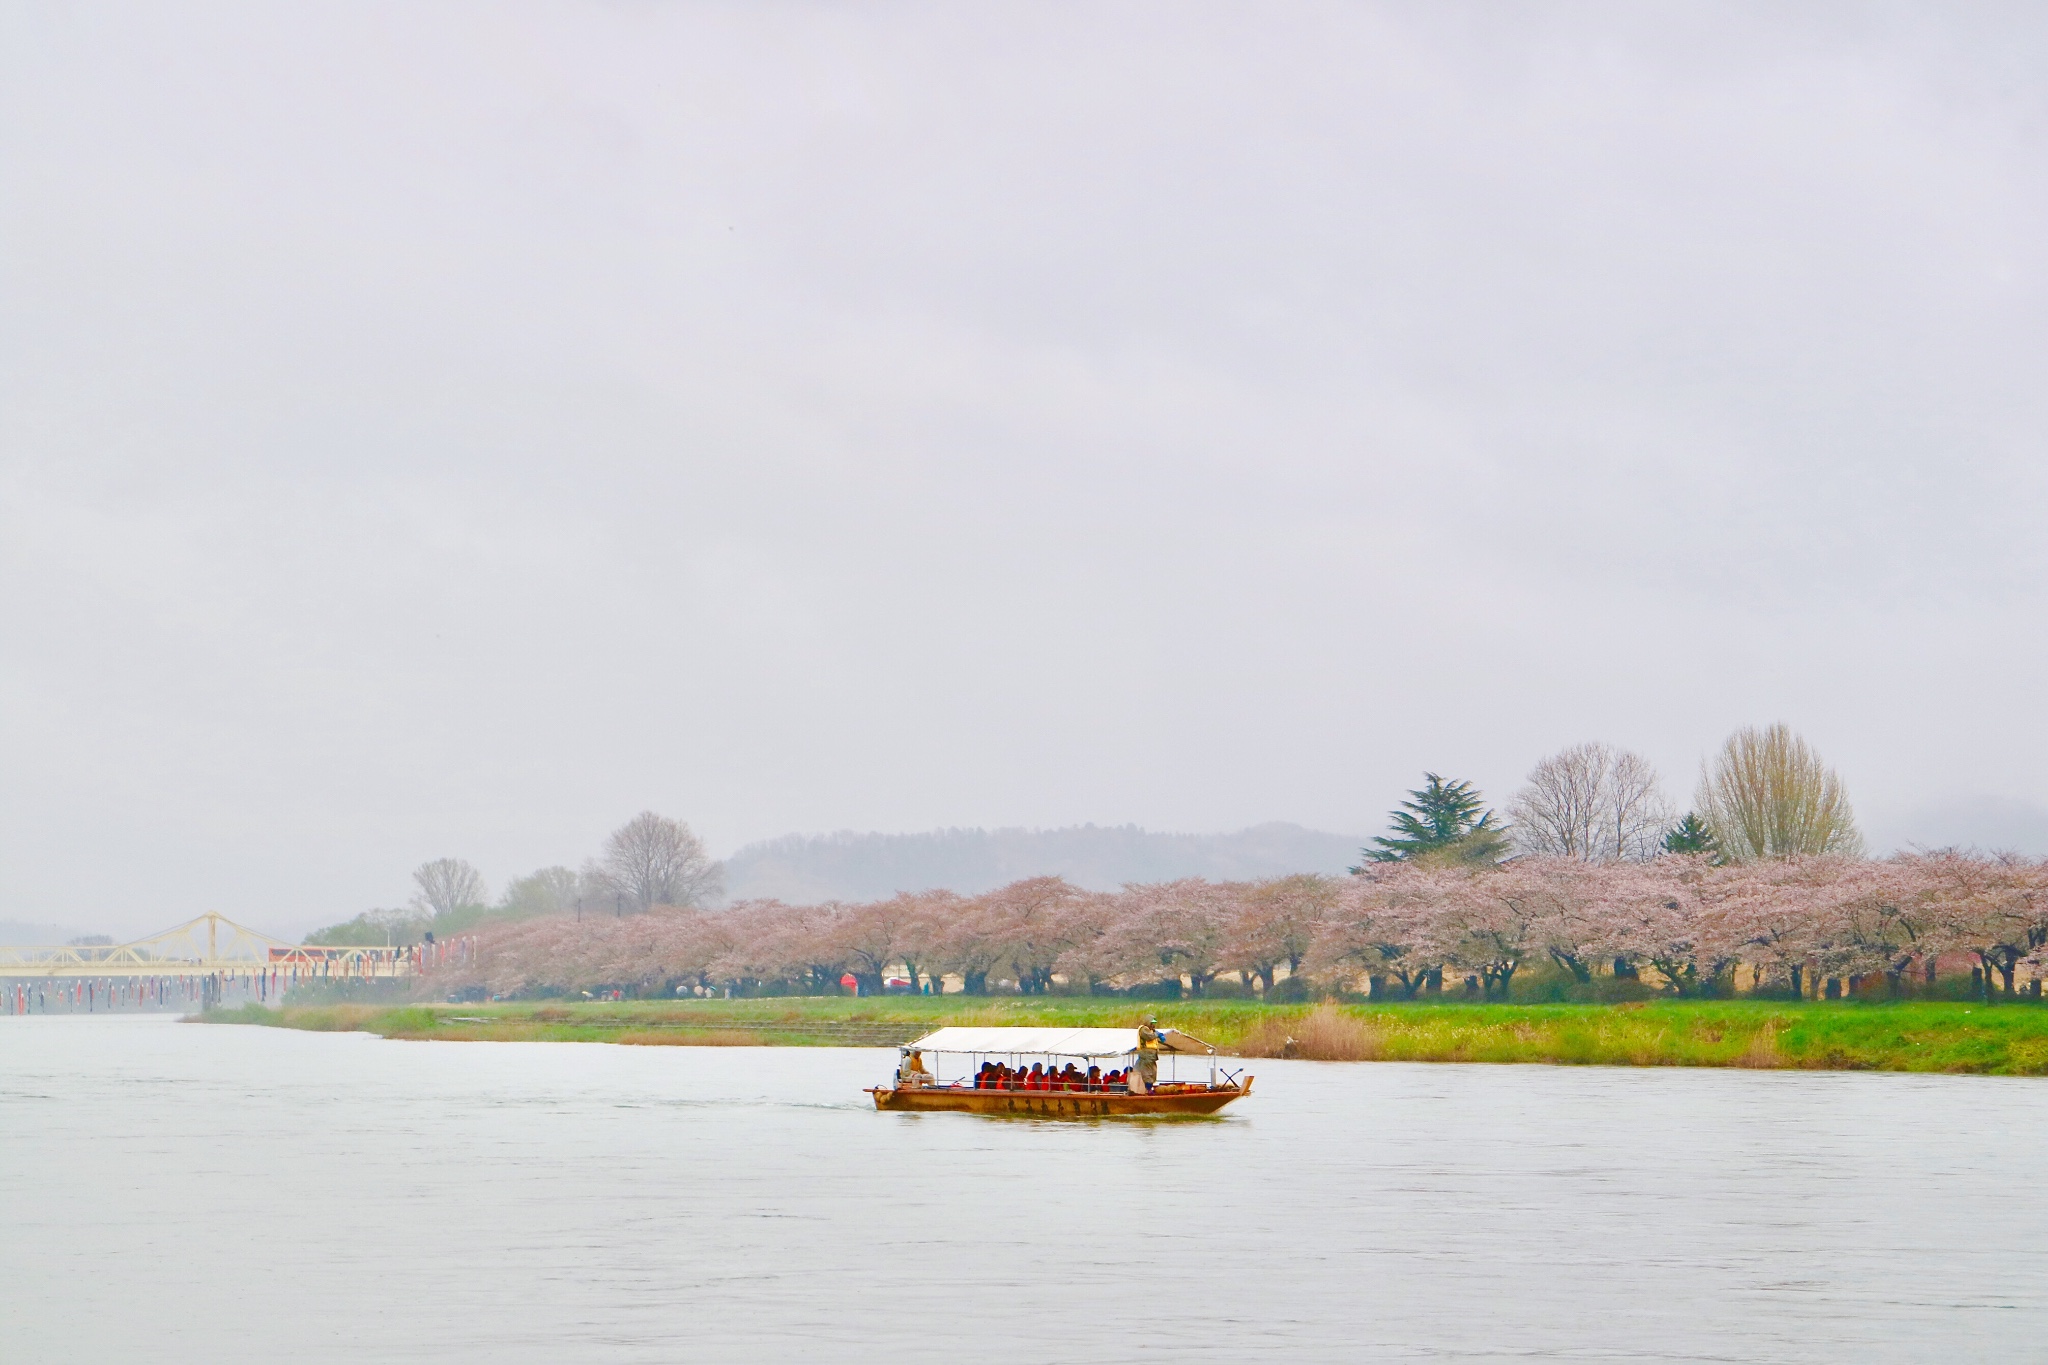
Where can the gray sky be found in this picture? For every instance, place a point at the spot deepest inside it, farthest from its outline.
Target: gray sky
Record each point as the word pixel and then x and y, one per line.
pixel 447 430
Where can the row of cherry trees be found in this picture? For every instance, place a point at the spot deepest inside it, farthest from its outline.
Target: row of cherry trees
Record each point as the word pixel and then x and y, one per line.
pixel 1678 923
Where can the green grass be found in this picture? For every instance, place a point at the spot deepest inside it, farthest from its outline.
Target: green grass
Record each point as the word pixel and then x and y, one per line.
pixel 2005 1040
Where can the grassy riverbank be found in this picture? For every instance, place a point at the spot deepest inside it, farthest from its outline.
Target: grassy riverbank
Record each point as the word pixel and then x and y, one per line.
pixel 1835 1036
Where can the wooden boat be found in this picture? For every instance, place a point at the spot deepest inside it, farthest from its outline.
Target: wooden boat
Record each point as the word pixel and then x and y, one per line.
pixel 960 1052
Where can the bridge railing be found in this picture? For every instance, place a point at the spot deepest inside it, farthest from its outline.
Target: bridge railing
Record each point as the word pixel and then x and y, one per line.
pixel 207 945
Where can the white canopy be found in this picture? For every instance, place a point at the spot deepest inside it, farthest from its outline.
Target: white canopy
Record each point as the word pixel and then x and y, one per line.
pixel 1055 1042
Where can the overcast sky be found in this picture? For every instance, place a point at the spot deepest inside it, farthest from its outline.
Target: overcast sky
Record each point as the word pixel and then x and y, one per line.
pixel 450 429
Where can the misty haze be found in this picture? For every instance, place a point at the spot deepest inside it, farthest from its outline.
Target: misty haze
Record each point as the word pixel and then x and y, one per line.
pixel 1022 682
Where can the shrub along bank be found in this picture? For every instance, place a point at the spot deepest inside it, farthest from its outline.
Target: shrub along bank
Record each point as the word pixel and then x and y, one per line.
pixel 1837 1036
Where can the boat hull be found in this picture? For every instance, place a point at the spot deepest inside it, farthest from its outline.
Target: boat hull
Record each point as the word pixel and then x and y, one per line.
pixel 1059 1104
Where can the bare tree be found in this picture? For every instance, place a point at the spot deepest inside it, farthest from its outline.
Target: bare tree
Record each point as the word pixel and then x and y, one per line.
pixel 550 891
pixel 1591 801
pixel 447 885
pixel 1768 795
pixel 653 860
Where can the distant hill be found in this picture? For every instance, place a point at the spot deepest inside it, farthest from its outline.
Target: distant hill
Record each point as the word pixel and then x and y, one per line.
pixel 16 933
pixel 849 866
pixel 2006 824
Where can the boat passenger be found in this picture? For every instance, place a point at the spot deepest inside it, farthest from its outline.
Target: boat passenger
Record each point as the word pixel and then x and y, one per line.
pixel 911 1073
pixel 1093 1080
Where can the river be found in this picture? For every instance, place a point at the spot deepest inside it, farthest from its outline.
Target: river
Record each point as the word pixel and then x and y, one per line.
pixel 205 1193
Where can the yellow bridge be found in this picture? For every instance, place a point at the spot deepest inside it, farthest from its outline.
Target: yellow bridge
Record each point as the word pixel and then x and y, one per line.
pixel 213 945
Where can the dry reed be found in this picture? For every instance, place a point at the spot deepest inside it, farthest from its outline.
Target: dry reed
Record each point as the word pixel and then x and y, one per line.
pixel 1324 1034
pixel 691 1038
pixel 1762 1052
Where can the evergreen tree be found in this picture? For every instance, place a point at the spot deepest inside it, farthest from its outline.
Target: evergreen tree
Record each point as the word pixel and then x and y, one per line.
pixel 1442 820
pixel 1691 835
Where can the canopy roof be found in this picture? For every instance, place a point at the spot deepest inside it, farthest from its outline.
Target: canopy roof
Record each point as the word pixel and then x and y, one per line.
pixel 1055 1042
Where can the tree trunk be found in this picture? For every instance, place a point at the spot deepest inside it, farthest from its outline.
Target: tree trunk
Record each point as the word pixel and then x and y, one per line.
pixel 1624 970
pixel 974 983
pixel 1581 973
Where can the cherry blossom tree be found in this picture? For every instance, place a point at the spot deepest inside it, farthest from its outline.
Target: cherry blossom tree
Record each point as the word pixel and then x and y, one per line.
pixel 1032 920
pixel 1652 915
pixel 1991 908
pixel 926 918
pixel 876 936
pixel 1496 919
pixel 1091 955
pixel 1276 921
pixel 900 931
pixel 1174 929
pixel 1383 927
pixel 972 944
pixel 1810 924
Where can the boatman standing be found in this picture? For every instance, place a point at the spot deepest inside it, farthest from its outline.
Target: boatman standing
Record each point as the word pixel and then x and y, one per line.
pixel 1147 1074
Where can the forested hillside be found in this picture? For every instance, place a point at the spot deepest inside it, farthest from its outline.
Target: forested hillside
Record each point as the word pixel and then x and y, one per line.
pixel 850 866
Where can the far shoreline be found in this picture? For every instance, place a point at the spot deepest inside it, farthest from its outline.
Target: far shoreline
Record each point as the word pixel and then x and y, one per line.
pixel 1938 1037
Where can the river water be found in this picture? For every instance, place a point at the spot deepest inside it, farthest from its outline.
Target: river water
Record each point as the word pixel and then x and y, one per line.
pixel 205 1193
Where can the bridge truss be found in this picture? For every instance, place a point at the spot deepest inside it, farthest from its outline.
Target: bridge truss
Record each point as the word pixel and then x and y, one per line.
pixel 210 945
